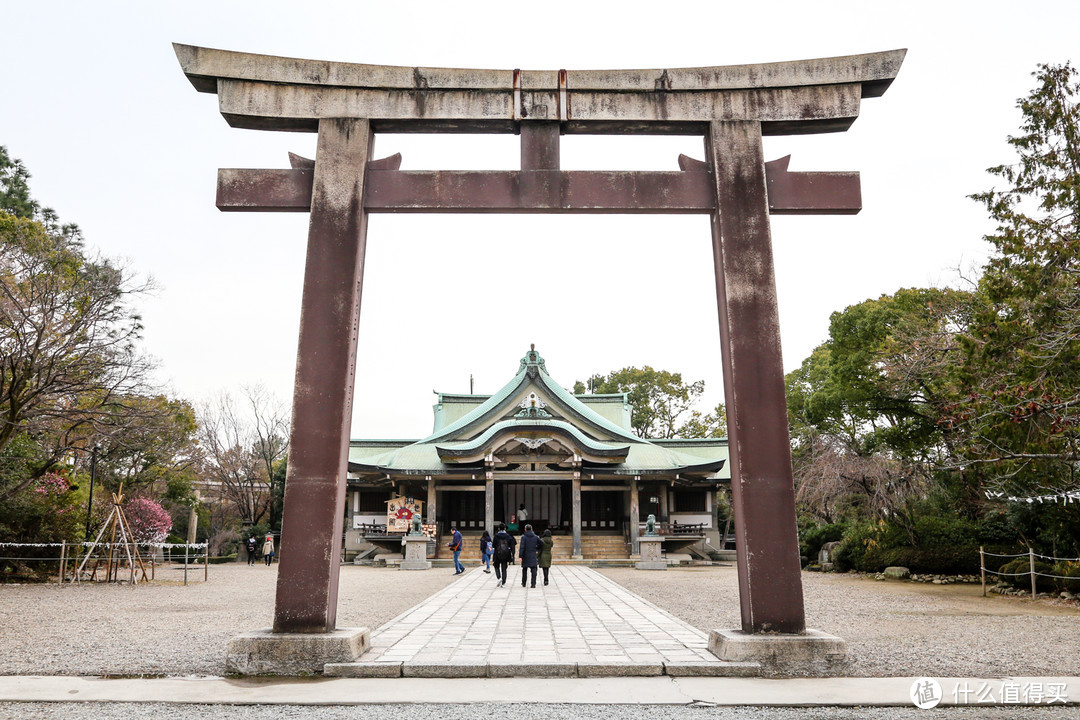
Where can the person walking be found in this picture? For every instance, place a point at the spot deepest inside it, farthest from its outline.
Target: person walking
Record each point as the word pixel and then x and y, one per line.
pixel 545 553
pixel 268 549
pixel 456 544
pixel 529 552
pixel 251 547
pixel 522 516
pixel 504 544
pixel 486 549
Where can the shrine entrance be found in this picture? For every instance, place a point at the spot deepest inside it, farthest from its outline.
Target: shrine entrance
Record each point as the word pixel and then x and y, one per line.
pixel 731 108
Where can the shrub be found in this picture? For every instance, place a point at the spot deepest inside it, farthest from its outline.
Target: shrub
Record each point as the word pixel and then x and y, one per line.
pixel 812 538
pixel 1017 573
pixel 849 554
pixel 941 530
pixel 954 560
pixel 1070 570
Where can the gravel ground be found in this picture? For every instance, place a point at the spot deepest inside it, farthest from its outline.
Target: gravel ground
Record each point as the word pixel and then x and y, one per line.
pixel 164 628
pixel 892 628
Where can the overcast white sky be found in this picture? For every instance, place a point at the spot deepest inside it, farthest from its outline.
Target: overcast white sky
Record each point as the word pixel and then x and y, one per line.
pixel 117 140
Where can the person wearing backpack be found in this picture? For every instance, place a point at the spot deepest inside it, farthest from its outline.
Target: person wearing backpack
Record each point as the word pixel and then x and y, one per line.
pixel 504 544
pixel 486 549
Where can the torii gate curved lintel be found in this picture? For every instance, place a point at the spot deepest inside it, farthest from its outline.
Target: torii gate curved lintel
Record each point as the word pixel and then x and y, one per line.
pixel 731 107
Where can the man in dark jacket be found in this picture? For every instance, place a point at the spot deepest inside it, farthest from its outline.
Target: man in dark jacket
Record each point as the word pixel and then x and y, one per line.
pixel 456 545
pixel 504 544
pixel 529 552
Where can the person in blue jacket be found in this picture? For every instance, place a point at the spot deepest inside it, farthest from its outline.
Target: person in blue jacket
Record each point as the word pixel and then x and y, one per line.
pixel 456 544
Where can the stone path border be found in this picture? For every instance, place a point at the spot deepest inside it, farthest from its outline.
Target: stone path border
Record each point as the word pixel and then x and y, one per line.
pixel 581 625
pixel 795 692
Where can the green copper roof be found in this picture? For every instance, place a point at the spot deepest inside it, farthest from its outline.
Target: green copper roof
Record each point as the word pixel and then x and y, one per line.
pixel 614 448
pixel 527 424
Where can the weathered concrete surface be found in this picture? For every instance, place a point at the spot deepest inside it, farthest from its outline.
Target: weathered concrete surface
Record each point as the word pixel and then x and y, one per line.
pixel 581 624
pixel 314 506
pixel 811 649
pixel 267 92
pixel 415 554
pixel 840 692
pixel 204 66
pixel 650 554
pixel 265 652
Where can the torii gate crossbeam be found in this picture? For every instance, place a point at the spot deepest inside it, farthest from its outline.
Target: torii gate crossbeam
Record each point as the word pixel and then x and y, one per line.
pixel 731 108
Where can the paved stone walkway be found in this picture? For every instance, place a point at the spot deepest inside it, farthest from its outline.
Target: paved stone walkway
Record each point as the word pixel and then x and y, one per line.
pixel 581 625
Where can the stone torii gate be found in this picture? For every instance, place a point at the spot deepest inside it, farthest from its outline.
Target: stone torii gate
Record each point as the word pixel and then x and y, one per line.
pixel 731 107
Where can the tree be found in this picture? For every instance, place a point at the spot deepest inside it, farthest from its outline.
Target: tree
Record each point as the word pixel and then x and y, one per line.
pixel 68 335
pixel 865 408
pixel 1020 406
pixel 15 196
pixel 242 450
pixel 149 521
pixel 154 450
pixel 659 402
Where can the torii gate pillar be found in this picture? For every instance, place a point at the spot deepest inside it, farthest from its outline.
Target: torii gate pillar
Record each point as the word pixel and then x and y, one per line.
pixel 732 108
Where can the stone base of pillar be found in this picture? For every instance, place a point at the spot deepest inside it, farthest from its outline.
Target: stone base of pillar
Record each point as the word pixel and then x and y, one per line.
pixel 651 557
pixel 265 652
pixel 812 652
pixel 415 554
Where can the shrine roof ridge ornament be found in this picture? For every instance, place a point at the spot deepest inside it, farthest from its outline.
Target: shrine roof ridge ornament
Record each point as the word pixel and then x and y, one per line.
pixel 278 93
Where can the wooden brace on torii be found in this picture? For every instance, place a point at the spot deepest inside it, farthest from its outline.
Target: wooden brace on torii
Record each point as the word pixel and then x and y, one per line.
pixel 732 107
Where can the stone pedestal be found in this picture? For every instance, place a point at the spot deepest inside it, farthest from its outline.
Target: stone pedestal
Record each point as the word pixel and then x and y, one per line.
pixel 812 652
pixel 265 652
pixel 415 553
pixel 651 558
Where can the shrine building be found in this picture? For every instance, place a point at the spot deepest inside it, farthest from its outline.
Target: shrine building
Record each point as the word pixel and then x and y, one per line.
pixel 573 461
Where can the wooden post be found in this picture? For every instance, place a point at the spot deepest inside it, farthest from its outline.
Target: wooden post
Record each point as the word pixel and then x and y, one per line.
pixel 432 503
pixel 185 563
pixel 982 569
pixel 1031 560
pixel 63 559
pixel 206 564
pixel 576 515
pixel 635 516
pixel 489 503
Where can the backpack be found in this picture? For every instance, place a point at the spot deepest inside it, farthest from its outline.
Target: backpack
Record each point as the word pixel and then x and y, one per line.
pixel 502 549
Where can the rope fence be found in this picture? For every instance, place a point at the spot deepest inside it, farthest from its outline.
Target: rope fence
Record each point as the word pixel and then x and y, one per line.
pixel 70 552
pixel 1035 574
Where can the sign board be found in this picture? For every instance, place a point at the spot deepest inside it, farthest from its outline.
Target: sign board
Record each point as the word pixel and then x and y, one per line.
pixel 399 512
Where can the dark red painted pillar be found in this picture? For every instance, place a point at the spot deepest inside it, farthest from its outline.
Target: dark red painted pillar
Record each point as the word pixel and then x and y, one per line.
pixel 770 586
pixel 313 512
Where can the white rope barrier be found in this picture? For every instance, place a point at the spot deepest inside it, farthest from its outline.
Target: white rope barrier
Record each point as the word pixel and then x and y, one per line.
pixel 1032 572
